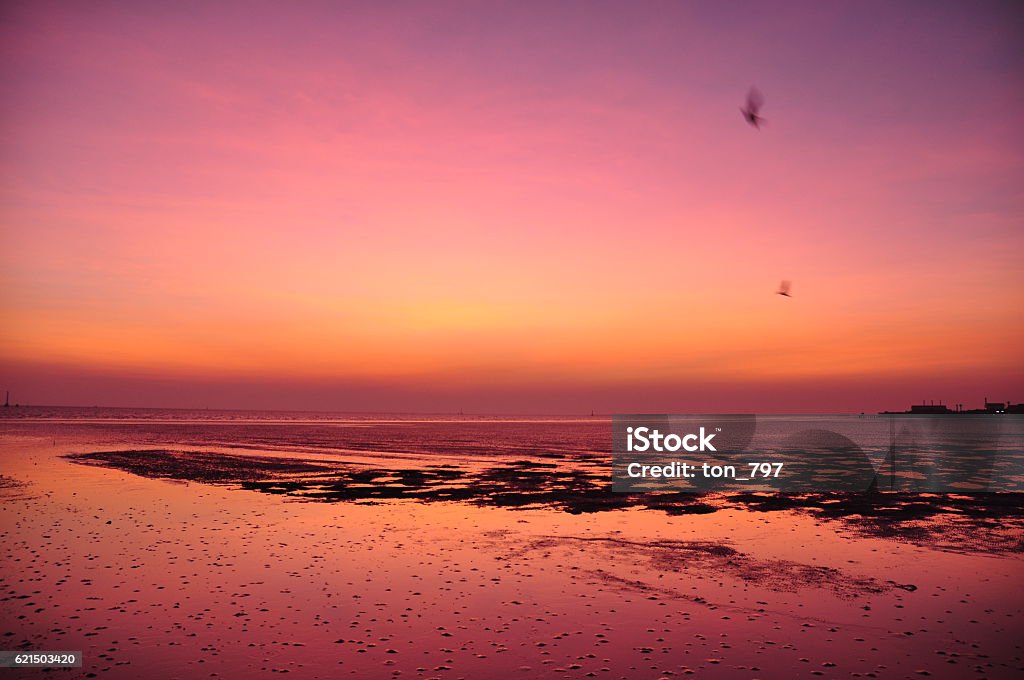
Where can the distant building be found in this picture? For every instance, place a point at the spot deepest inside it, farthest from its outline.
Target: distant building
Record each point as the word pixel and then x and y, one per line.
pixel 931 409
pixel 994 406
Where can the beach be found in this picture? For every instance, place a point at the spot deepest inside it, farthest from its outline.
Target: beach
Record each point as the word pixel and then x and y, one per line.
pixel 190 544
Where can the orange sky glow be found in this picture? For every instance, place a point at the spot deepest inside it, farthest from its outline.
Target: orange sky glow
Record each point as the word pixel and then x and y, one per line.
pixel 519 207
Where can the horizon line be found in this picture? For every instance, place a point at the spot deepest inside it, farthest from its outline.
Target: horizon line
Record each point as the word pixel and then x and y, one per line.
pixel 453 413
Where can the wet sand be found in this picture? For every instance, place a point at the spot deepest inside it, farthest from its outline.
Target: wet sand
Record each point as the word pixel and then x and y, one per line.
pixel 229 561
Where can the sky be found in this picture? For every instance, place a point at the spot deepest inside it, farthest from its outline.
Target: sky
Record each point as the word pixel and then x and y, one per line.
pixel 521 207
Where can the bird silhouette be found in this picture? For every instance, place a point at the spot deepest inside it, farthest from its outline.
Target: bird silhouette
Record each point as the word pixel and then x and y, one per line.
pixel 783 289
pixel 754 103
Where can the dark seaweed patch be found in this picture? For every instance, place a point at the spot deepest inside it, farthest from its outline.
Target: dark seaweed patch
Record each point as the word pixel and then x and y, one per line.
pixel 983 522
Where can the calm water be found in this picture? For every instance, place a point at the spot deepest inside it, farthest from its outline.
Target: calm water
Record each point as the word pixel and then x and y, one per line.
pixel 938 452
pixel 324 432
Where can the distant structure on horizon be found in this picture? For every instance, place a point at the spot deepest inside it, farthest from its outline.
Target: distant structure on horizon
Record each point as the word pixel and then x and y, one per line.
pixel 932 408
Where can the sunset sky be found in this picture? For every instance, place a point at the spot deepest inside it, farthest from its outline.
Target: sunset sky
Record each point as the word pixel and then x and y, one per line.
pixel 511 207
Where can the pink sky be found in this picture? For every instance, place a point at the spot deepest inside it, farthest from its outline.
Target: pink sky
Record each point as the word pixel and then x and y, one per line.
pixel 511 207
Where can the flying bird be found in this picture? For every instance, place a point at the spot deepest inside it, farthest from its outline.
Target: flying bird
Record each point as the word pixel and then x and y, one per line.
pixel 754 103
pixel 783 289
